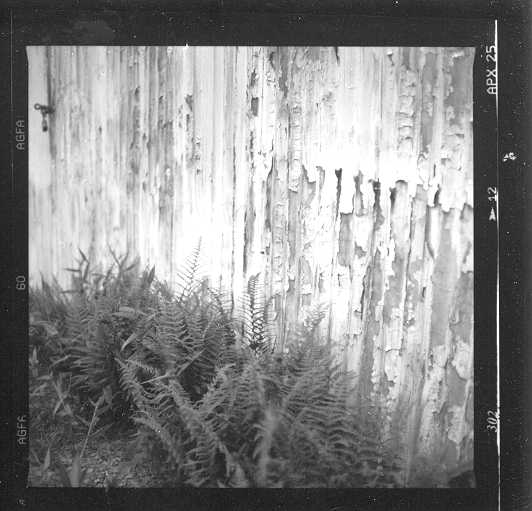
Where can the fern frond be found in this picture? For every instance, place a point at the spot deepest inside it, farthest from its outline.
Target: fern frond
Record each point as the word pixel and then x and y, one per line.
pixel 173 443
pixel 130 383
pixel 200 467
pixel 253 317
pixel 187 274
pixel 264 443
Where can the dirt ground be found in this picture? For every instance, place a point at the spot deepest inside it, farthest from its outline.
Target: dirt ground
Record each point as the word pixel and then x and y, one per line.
pixel 107 463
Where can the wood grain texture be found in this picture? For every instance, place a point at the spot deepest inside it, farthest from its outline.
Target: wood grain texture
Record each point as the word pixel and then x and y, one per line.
pixel 344 177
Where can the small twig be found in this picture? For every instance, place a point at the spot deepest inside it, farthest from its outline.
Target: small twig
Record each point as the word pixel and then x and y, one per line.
pixel 93 420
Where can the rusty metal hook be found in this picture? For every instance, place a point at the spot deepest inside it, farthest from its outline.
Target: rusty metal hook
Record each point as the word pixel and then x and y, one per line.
pixel 45 110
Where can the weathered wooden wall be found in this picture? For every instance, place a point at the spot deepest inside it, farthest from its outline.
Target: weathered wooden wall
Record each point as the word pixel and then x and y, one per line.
pixel 343 175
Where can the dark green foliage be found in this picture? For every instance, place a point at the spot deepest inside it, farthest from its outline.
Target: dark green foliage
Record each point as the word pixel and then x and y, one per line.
pixel 48 311
pixel 262 419
pixel 211 398
pixel 253 318
pixel 81 331
pixel 267 423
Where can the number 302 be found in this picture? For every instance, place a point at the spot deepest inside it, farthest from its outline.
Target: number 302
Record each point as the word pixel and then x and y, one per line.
pixel 493 421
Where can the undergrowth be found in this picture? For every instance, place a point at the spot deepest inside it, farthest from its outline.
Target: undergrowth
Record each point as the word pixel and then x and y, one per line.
pixel 203 387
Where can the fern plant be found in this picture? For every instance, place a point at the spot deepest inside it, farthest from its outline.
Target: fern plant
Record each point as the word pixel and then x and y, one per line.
pixel 91 322
pixel 206 387
pixel 271 420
